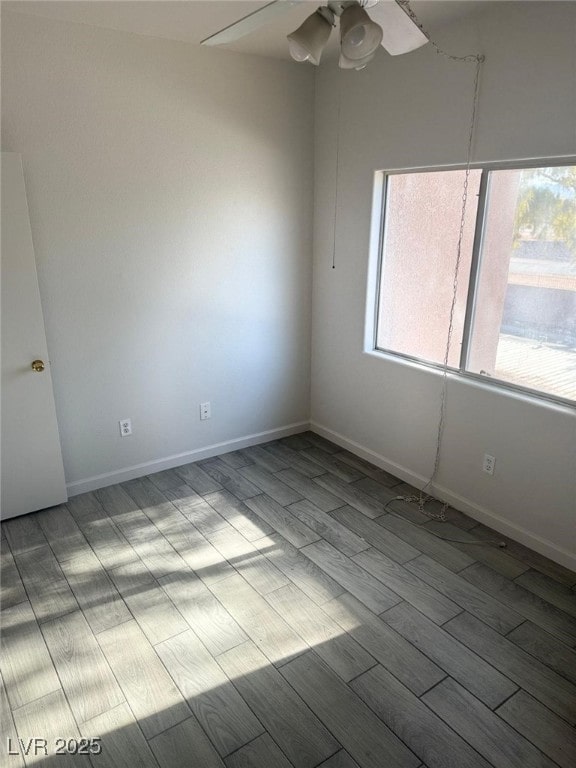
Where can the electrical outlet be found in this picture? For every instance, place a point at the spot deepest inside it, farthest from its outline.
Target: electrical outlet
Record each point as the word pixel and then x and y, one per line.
pixel 125 427
pixel 488 464
pixel 205 411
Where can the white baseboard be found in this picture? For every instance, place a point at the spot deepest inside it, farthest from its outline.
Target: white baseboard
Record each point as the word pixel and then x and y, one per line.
pixel 481 514
pixel 158 465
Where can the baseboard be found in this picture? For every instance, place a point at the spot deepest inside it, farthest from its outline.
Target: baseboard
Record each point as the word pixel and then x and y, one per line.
pixel 477 512
pixel 158 465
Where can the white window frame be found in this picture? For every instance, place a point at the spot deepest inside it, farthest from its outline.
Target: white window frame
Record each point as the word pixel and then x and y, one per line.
pixel 376 255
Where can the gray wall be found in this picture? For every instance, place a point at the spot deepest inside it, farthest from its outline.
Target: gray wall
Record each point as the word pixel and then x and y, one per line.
pixel 414 111
pixel 171 197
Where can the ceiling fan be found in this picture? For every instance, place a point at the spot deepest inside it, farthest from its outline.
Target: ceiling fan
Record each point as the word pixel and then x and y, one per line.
pixel 388 25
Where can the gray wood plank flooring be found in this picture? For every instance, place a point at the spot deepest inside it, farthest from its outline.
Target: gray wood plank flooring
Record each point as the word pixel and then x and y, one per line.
pixel 103 535
pixel 198 479
pixel 236 459
pixel 199 513
pixel 523 602
pixel 333 465
pixel 9 734
pixel 352 576
pixel 547 686
pixel 96 594
pixel 546 648
pixel 421 539
pixel 368 470
pixel 282 521
pixel 23 534
pixel 536 723
pixel 340 651
pixel 49 718
pixel 341 760
pixel 545 587
pixel 385 496
pixel 496 558
pixel 63 534
pixel 311 579
pixel 413 589
pixel 217 705
pixel 157 504
pixel 46 585
pixel 156 614
pixel 464 594
pixel 294 459
pixel 185 745
pixel 263 752
pixel 261 573
pixel 417 725
pixel 351 495
pixel 324 500
pixel 86 678
pixel 529 557
pixel 166 480
pixel 353 723
pixel 493 738
pixel 25 663
pixel 145 538
pixel 229 478
pixel 404 660
pixel 12 590
pixel 204 613
pixel 246 522
pixel 268 608
pixel 302 737
pixel 125 743
pixel 149 690
pixel 268 630
pixel 481 679
pixel 279 491
pixel 259 455
pixel 385 541
pixel 196 551
pixel 328 528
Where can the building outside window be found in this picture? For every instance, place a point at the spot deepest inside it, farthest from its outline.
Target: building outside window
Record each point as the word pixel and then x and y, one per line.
pixel 515 313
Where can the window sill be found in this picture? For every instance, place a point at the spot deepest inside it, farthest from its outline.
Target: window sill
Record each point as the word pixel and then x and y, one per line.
pixel 477 381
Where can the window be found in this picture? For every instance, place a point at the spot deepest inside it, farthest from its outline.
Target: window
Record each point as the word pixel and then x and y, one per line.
pixel 514 317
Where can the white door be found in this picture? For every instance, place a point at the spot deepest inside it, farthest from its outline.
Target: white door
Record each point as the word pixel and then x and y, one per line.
pixel 31 457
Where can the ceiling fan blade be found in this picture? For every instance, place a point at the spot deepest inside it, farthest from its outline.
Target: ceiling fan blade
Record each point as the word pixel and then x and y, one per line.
pixel 249 23
pixel 401 35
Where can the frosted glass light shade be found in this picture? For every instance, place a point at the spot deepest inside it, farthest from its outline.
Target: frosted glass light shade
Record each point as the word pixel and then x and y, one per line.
pixel 308 41
pixel 345 63
pixel 359 35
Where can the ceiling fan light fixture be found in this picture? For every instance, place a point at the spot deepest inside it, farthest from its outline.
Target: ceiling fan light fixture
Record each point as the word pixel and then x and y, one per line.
pixel 308 41
pixel 359 35
pixel 357 64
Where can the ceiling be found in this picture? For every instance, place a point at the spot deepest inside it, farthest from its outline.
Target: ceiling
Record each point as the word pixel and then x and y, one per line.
pixel 193 20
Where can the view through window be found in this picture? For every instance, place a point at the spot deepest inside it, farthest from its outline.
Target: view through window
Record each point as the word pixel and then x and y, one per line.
pixel 515 312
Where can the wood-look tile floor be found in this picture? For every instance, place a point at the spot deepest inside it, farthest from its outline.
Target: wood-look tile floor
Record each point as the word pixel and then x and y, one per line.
pixel 270 608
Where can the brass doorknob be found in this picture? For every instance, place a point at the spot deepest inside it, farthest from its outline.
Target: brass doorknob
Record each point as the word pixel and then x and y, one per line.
pixel 38 366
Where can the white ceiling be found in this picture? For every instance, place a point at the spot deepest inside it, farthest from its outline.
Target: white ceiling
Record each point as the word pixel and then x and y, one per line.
pixel 193 20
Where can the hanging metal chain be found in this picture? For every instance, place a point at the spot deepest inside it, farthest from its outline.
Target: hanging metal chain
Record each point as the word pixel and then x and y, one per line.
pixel 335 221
pixel 478 59
pixel 405 5
pixel 443 397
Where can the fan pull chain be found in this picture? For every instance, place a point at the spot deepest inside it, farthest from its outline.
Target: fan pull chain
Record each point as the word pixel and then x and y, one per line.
pixel 337 170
